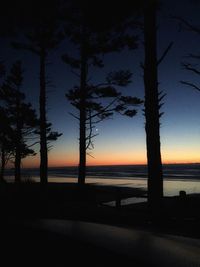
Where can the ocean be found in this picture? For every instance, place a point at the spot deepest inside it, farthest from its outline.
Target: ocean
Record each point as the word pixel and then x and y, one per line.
pixel 176 176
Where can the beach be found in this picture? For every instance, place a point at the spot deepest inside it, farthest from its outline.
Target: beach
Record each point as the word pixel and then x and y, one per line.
pixel 91 203
pixel 56 222
pixel 110 196
pixel 177 177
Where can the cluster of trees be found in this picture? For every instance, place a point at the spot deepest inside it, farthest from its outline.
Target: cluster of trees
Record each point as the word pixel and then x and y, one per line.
pixel 43 34
pixel 20 125
pixel 93 36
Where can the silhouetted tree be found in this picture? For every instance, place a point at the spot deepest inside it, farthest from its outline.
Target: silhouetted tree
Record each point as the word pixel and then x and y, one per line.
pixel 22 118
pixel 43 37
pixel 2 69
pixel 153 104
pixel 5 133
pixel 6 143
pixel 93 41
pixel 155 175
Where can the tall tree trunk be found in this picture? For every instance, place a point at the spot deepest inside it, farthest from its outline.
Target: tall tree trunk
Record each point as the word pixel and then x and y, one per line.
pixel 17 164
pixel 43 122
pixel 82 133
pixel 3 163
pixel 18 139
pixel 155 175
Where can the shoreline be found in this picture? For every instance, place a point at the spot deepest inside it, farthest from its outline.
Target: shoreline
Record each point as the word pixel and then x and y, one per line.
pixel 171 186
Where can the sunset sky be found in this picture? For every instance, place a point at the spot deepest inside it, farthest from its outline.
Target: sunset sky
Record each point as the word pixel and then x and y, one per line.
pixel 121 140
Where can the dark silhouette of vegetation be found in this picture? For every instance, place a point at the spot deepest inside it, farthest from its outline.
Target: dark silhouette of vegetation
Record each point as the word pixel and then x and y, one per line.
pixel 4 133
pixel 153 104
pixel 42 37
pixel 20 120
pixel 6 144
pixel 96 102
pixel 92 30
pixel 152 115
pixel 2 70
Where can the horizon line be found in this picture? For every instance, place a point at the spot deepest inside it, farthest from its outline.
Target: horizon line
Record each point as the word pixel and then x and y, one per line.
pixel 102 165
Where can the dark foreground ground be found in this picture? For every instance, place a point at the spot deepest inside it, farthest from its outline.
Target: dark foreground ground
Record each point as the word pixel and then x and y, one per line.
pixel 32 246
pixel 68 201
pixel 28 246
pixel 74 243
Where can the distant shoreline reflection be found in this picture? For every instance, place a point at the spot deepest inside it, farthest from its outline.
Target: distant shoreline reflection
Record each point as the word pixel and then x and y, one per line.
pixel 176 177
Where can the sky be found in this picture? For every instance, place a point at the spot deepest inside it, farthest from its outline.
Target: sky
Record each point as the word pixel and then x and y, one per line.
pixel 121 140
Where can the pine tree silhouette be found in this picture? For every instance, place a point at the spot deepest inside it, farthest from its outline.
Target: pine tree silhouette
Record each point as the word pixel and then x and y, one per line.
pixel 22 121
pixel 6 141
pixel 95 102
pixel 42 37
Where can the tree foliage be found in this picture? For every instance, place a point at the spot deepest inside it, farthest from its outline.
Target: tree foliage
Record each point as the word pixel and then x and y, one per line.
pixel 42 36
pixel 103 100
pixel 96 101
pixel 20 121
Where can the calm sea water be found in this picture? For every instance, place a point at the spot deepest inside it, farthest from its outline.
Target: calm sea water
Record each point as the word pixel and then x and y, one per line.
pixel 176 176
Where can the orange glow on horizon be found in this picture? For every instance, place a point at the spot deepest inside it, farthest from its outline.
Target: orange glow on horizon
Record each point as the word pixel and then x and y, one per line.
pixel 112 156
pixel 34 163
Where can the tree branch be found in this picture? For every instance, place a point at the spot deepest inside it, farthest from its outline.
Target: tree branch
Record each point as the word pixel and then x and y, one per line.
pixel 191 85
pixel 165 53
pixel 75 73
pixel 190 26
pixel 33 144
pixel 90 155
pixel 189 67
pixel 73 115
pixel 106 108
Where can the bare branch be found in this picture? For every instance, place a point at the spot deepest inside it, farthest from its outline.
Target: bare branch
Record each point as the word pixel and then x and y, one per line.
pixel 91 136
pixel 73 116
pixel 9 156
pixel 190 67
pixel 90 155
pixel 33 144
pixel 191 85
pixel 104 84
pixel 95 122
pixel 162 97
pixel 165 53
pixel 186 23
pixel 75 73
pixel 160 114
pixel 90 132
pixel 106 109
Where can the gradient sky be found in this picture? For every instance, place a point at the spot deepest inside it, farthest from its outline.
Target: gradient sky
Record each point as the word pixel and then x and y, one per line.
pixel 121 140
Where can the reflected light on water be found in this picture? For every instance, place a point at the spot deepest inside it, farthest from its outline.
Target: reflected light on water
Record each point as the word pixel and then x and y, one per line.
pixel 171 187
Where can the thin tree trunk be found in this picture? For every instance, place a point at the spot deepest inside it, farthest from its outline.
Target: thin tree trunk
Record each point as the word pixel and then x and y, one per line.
pixel 43 135
pixel 17 164
pixel 18 142
pixel 155 175
pixel 18 153
pixel 82 133
pixel 3 163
